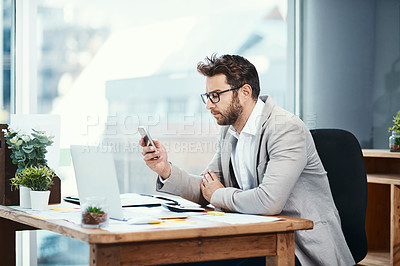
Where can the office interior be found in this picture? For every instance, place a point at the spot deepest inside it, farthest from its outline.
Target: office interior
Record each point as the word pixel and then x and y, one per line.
pixel 106 67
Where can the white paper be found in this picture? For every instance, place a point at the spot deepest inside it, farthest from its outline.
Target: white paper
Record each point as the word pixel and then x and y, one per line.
pixel 141 216
pixel 56 212
pixel 237 218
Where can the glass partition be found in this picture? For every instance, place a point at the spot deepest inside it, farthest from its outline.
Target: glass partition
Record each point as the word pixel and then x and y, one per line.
pixel 107 67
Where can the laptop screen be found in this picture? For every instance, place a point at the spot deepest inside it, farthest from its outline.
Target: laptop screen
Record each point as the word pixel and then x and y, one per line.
pixel 95 175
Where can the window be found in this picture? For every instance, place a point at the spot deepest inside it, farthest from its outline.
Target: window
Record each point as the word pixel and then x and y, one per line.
pixel 5 59
pixel 123 64
pixel 351 68
pixel 108 66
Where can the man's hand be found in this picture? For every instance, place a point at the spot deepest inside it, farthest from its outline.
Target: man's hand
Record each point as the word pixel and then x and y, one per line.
pixel 156 161
pixel 210 184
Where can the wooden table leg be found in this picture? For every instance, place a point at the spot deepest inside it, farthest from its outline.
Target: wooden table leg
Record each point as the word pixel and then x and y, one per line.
pixel 285 250
pixel 104 255
pixel 395 225
pixel 7 242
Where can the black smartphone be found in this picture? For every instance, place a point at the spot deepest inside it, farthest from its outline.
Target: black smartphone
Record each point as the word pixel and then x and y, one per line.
pixel 178 208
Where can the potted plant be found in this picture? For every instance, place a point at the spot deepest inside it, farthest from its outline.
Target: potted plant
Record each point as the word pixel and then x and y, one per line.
pixel 394 139
pixel 21 183
pixel 38 179
pixel 94 212
pixel 29 151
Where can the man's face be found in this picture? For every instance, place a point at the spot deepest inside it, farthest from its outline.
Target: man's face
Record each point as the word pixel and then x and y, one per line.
pixel 228 109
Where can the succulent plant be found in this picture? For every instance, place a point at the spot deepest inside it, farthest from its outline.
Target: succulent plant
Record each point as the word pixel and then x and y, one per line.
pixel 28 150
pixel 94 215
pixel 94 209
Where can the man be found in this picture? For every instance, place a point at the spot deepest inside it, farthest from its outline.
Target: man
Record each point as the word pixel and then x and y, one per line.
pixel 266 163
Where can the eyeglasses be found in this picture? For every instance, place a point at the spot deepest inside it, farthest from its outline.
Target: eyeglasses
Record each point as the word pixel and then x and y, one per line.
pixel 214 96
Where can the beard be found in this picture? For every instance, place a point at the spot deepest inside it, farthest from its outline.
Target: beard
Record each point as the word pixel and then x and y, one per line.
pixel 231 115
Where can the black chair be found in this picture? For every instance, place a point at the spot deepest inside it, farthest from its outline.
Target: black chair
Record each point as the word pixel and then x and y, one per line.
pixel 342 158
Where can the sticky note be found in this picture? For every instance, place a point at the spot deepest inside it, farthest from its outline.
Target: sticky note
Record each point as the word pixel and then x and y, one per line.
pixel 215 213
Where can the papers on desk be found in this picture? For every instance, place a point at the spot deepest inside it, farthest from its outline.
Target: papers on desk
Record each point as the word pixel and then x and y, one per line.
pixel 237 218
pixel 70 213
pixel 143 218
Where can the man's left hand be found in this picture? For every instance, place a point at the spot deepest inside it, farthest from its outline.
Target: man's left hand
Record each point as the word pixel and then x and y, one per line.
pixel 210 184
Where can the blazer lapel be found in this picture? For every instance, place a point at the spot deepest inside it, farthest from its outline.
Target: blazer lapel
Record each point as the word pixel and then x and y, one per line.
pixel 269 104
pixel 225 159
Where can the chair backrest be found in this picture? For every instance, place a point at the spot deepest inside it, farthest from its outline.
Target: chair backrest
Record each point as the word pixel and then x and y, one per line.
pixel 342 158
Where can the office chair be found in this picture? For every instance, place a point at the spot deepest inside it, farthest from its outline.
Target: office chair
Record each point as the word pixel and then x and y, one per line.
pixel 342 158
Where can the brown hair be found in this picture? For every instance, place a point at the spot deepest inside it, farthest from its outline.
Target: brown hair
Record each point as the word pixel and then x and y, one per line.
pixel 237 69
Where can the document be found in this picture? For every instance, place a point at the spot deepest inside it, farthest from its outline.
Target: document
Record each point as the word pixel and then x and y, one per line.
pixel 237 218
pixel 145 218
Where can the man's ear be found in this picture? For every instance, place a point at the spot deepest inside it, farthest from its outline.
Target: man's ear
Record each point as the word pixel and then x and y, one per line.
pixel 246 91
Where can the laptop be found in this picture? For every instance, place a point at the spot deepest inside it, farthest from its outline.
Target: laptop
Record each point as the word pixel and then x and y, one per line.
pixel 96 175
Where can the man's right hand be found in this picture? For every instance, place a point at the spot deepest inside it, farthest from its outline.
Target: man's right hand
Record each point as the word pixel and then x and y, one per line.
pixel 156 161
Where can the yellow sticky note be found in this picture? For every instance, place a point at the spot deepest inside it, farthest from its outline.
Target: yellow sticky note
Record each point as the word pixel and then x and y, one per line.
pixel 62 209
pixel 32 215
pixel 215 213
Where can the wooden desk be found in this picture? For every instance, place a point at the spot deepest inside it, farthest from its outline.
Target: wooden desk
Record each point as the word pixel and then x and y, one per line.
pixel 383 208
pixel 275 240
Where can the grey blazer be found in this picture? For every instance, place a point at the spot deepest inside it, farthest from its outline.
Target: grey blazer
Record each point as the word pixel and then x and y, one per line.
pixel 291 181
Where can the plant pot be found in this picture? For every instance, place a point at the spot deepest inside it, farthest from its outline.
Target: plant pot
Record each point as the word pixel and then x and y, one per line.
pixel 90 218
pixel 25 197
pixel 394 142
pixel 40 200
pixel 93 220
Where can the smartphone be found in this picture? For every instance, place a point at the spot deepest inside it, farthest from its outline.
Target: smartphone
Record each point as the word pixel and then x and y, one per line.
pixel 178 208
pixel 146 136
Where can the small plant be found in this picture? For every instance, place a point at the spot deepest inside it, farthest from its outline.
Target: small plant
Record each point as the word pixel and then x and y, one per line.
pixel 394 140
pixel 396 123
pixel 93 216
pixel 94 209
pixel 37 178
pixel 28 150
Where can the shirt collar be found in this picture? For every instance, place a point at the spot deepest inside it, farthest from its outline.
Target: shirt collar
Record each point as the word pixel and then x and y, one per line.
pixel 252 122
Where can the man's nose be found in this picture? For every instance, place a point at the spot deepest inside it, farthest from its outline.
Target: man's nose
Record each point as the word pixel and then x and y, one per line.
pixel 209 104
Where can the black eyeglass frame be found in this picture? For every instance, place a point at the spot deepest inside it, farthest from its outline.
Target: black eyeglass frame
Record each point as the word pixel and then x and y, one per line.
pixel 206 96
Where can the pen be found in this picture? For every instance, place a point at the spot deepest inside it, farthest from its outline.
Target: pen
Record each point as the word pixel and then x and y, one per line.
pixel 149 222
pixel 172 202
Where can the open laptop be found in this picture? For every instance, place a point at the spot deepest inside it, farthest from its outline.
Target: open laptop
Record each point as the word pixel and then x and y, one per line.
pixel 96 175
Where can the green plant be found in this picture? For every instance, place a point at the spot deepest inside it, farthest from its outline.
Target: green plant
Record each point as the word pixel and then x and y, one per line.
pixel 94 209
pixel 396 123
pixel 93 215
pixel 37 178
pixel 17 182
pixel 26 150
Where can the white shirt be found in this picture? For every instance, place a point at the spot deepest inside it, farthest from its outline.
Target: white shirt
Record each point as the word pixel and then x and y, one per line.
pixel 243 155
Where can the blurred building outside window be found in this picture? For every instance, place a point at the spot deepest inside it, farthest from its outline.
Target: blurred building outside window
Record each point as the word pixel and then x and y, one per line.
pixel 106 67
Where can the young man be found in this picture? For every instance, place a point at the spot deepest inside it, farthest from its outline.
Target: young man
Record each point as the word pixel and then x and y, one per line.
pixel 266 163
